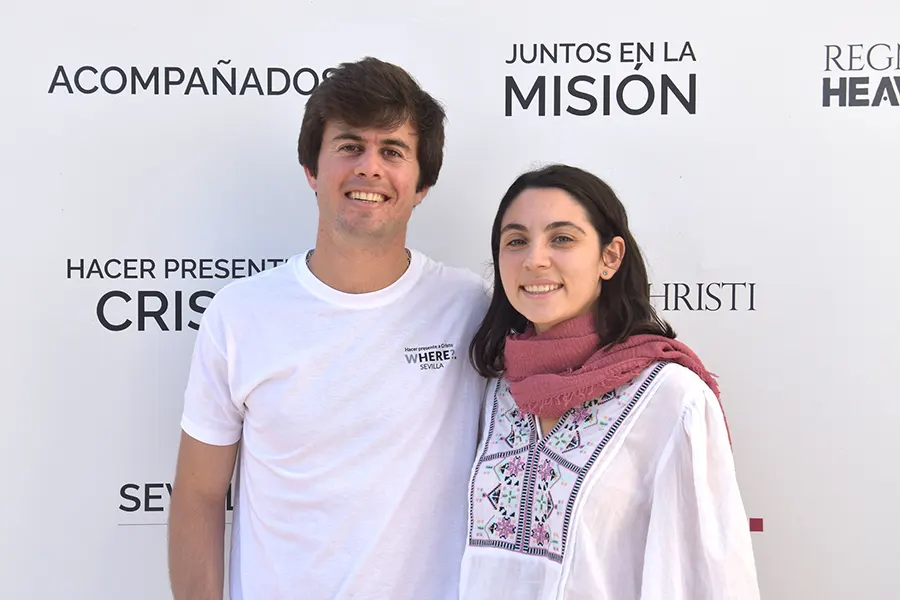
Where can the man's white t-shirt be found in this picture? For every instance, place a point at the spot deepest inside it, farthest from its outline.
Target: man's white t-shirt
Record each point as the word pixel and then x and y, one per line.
pixel 358 420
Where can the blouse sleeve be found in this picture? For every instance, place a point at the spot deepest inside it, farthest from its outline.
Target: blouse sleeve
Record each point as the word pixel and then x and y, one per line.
pixel 698 542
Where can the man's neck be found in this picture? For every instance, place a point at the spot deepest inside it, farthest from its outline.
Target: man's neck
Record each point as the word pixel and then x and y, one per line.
pixel 358 269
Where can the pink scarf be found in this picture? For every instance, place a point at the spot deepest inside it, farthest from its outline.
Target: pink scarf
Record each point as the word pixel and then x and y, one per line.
pixel 562 368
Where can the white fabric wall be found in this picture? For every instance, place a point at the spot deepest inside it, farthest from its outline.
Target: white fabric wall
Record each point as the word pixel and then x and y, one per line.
pixel 782 207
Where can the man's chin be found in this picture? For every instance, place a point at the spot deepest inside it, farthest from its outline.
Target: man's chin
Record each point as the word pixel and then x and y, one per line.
pixel 370 231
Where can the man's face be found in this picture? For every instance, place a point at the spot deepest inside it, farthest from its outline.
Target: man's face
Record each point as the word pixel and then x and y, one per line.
pixel 366 182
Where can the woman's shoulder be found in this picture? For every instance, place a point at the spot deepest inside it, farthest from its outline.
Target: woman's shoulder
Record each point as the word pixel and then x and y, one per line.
pixel 678 381
pixel 679 392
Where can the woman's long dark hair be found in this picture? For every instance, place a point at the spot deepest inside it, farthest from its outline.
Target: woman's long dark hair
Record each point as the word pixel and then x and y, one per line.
pixel 623 309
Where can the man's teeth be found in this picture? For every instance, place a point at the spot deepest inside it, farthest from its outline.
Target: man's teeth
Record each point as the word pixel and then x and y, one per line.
pixel 541 289
pixel 367 196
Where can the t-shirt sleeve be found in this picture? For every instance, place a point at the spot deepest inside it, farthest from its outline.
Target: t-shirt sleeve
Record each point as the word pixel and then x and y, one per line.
pixel 698 543
pixel 210 412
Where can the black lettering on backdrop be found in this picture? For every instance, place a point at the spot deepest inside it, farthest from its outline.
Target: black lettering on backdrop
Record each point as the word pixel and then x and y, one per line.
pixel 585 53
pixel 157 309
pixel 689 102
pixel 101 311
pixel 576 93
pixel 154 306
pixel 120 78
pixel 60 79
pixel 878 57
pixel 174 76
pixel 858 88
pixel 589 52
pixel 230 84
pixel 854 91
pixel 592 92
pixel 220 268
pixel 127 496
pixel 848 85
pixel 620 95
pixel 587 91
pixel 196 80
pixel 270 84
pixel 297 85
pixel 221 79
pixel 886 91
pixel 705 297
pixel 78 85
pixel 138 80
pixel 251 81
pixel 150 496
pixel 560 53
pixel 113 268
pixel 155 497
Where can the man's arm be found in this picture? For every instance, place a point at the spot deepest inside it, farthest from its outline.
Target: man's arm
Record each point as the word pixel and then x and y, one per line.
pixel 197 519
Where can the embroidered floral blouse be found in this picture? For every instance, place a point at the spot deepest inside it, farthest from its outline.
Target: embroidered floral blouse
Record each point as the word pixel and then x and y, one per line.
pixel 631 496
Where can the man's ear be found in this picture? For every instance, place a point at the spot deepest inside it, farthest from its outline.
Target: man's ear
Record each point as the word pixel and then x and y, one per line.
pixel 420 195
pixel 311 179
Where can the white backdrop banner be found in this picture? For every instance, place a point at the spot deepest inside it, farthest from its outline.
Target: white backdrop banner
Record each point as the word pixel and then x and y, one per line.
pixel 149 158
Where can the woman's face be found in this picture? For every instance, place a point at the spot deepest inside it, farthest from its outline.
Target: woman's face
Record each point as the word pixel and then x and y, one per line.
pixel 550 257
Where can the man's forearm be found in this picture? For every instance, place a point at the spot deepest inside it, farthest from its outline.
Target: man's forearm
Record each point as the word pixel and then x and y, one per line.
pixel 196 547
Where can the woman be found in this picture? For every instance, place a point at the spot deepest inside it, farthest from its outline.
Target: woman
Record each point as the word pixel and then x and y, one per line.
pixel 604 469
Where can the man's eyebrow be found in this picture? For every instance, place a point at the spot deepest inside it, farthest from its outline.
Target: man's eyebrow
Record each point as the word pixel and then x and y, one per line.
pixel 355 137
pixel 346 135
pixel 396 142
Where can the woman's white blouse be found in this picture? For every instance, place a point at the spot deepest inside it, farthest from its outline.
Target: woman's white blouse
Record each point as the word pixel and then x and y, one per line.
pixel 631 496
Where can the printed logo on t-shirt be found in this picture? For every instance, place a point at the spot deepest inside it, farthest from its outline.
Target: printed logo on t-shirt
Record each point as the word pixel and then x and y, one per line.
pixel 433 357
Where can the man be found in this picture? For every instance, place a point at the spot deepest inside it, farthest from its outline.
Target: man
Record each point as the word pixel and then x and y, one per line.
pixel 343 377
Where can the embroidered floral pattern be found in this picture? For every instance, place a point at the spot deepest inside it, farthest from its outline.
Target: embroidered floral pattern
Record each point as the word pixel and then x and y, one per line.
pixel 523 489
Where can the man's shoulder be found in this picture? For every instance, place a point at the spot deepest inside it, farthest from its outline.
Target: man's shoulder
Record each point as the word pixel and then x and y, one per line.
pixel 459 280
pixel 255 292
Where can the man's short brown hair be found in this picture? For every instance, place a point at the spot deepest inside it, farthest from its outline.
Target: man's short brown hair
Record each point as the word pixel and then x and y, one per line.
pixel 373 93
